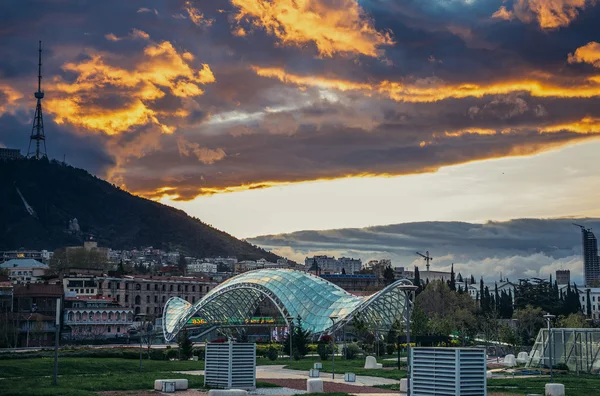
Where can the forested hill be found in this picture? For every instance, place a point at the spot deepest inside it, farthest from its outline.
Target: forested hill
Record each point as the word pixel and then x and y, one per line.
pixel 59 193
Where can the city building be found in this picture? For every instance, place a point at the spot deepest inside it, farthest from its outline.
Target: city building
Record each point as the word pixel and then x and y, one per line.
pixel 331 265
pixel 594 302
pixel 79 286
pixel 7 154
pixel 42 256
pixel 34 305
pixel 355 283
pixel 563 277
pixel 24 270
pixel 147 295
pixel 90 246
pixel 6 297
pixel 591 262
pixel 95 317
pixel 503 286
pixel 202 267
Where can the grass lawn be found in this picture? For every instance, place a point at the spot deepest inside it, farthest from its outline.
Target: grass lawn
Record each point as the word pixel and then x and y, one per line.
pixel 583 385
pixel 341 366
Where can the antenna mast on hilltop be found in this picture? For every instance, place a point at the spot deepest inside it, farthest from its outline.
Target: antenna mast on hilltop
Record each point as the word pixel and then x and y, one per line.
pixel 426 257
pixel 37 131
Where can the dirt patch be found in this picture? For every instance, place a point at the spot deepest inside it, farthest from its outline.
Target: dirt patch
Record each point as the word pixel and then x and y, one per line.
pixel 327 386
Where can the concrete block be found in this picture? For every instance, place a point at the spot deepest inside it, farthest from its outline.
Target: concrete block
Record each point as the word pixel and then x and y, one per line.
pixel 318 366
pixel 314 373
pixel 313 385
pixel 488 374
pixel 180 384
pixel 555 390
pixel 522 357
pixel 404 385
pixel 227 392
pixel 350 377
pixel 510 361
pixel 371 363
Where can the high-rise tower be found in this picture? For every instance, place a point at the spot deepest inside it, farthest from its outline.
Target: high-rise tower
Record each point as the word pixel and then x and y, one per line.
pixel 37 131
pixel 591 262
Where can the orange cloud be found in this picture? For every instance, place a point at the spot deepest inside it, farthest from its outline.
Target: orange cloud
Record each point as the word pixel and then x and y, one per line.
pixel 549 14
pixel 196 16
pixel 205 155
pixel 434 89
pixel 589 53
pixel 162 70
pixel 503 13
pixel 587 125
pixel 8 98
pixel 333 27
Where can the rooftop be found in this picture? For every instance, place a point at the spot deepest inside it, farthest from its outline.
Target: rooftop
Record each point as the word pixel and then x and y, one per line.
pixel 23 263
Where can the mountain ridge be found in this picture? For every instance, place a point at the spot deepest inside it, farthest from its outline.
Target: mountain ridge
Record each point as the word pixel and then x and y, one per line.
pixel 59 193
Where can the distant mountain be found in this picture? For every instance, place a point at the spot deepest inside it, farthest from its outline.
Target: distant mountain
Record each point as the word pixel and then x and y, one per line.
pixel 39 199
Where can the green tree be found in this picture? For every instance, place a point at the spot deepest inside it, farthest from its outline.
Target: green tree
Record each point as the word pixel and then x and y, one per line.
pixel 472 280
pixel 182 263
pixel 420 321
pixel 529 321
pixel 417 280
pixel 452 281
pixel 573 321
pixel 388 275
pixel 185 345
pixel 508 335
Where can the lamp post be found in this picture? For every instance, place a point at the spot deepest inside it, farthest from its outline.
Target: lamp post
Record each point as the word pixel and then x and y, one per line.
pixel 333 319
pixel 377 337
pixel 548 318
pixel 408 290
pixel 290 320
pixel 33 309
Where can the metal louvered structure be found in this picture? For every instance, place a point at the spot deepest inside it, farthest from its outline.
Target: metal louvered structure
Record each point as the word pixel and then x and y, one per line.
pixel 295 294
pixel 230 366
pixel 448 372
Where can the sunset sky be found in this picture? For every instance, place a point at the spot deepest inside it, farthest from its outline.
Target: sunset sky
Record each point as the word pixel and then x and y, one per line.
pixel 262 117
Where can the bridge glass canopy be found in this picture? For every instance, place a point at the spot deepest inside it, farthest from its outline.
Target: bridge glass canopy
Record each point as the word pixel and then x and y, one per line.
pixel 294 293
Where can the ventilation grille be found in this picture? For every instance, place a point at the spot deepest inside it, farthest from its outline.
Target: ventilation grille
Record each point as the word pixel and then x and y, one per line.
pixel 230 366
pixel 448 372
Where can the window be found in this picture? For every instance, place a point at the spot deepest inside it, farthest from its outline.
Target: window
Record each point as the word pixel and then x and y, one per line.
pixel 126 297
pixel 148 286
pixel 164 287
pixel 194 288
pixel 164 299
pixel 108 329
pixel 171 288
pixel 138 300
pixel 138 286
pixel 156 286
pixel 593 298
pixel 178 287
pixel 186 287
pixel 91 316
pixel 147 299
pixel 118 298
pixel 193 299
pixel 110 316
pixel 155 299
pixel 70 316
pixel 147 310
pixel 118 329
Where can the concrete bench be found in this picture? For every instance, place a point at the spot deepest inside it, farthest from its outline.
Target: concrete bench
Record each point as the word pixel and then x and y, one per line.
pixel 510 361
pixel 180 384
pixel 313 385
pixel 404 385
pixel 350 377
pixel 522 357
pixel 371 363
pixel 227 392
pixel 318 366
pixel 555 390
pixel 314 373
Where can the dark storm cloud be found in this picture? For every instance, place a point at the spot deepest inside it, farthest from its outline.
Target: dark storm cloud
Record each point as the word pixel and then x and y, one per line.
pixel 517 249
pixel 191 97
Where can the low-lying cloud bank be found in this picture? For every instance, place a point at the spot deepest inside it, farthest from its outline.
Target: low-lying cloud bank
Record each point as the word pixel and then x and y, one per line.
pixel 520 248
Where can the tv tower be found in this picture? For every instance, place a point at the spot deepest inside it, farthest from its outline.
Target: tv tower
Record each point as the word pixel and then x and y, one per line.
pixel 37 131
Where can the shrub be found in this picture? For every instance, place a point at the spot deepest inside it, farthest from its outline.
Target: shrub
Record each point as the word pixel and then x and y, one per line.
pixel 390 348
pixel 171 354
pixel 561 366
pixel 200 352
pixel 352 351
pixel 324 350
pixel 272 354
pixel 297 355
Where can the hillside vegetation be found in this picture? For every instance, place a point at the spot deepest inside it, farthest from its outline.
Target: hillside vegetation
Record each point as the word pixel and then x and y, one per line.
pixel 115 218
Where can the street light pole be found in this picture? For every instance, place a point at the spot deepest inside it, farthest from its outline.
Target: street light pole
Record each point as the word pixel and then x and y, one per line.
pixel 333 319
pixel 56 341
pixel 548 318
pixel 290 320
pixel 408 290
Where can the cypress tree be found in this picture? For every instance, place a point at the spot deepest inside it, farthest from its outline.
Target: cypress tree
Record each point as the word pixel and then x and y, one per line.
pixel 589 304
pixel 496 296
pixel 417 277
pixel 481 295
pixel 452 283
pixel 472 280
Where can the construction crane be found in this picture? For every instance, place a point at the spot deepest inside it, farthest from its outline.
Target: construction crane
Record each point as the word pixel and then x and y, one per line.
pixel 426 257
pixel 580 226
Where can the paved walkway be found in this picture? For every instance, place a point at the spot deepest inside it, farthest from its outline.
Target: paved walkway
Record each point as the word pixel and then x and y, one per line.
pixel 279 372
